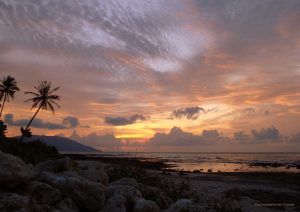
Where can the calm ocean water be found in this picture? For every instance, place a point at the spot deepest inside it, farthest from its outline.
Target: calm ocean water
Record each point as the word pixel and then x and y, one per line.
pixel 224 162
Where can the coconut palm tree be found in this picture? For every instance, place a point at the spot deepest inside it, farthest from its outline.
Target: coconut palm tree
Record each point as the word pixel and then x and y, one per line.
pixel 3 130
pixel 43 99
pixel 8 87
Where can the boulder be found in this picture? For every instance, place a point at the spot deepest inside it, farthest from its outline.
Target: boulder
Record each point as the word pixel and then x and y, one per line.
pixel 183 205
pixel 98 176
pixel 13 171
pixel 55 166
pixel 42 194
pixel 67 205
pixel 93 171
pixel 10 202
pixel 127 182
pixel 129 192
pixel 142 205
pixel 71 174
pixel 156 195
pixel 85 165
pixel 125 195
pixel 86 194
pixel 116 203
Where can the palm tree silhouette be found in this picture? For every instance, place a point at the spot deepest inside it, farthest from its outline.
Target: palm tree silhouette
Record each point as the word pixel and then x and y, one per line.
pixel 43 99
pixel 8 87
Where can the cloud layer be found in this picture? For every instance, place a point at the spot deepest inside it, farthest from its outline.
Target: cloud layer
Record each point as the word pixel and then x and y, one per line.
pixel 238 59
pixel 211 140
pixel 67 123
pixel 188 112
pixel 107 142
pixel 119 121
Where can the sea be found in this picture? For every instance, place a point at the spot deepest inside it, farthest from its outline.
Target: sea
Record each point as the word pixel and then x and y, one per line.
pixel 219 162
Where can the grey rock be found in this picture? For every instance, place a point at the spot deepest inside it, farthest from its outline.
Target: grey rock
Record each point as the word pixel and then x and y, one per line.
pixel 42 193
pixel 13 171
pixel 67 205
pixel 98 176
pixel 93 171
pixel 10 202
pixel 86 194
pixel 127 182
pixel 116 203
pixel 124 195
pixel 142 205
pixel 181 205
pixel 156 195
pixel 55 166
pixel 129 192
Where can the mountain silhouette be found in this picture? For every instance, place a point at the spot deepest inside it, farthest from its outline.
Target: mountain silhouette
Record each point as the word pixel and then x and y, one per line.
pixel 63 144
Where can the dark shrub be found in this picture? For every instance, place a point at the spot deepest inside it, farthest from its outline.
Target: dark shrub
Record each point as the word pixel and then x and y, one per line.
pixel 31 152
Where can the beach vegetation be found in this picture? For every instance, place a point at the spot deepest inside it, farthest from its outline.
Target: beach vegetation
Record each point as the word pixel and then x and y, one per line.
pixel 30 151
pixel 43 98
pixel 8 88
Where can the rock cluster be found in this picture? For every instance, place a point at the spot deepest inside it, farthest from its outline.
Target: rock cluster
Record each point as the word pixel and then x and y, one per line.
pixel 58 186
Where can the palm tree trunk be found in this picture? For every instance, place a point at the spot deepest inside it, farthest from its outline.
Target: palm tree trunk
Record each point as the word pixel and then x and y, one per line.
pixel 33 117
pixel 3 105
pixel 21 139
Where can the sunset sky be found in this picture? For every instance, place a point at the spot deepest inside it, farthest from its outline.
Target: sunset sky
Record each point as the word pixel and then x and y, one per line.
pixel 158 75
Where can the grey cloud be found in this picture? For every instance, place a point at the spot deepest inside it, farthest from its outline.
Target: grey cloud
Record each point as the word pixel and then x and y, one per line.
pixel 210 133
pixel 212 110
pixel 119 121
pixel 188 112
pixel 266 133
pixel 247 31
pixel 295 138
pixel 263 135
pixel 107 28
pixel 71 121
pixel 67 123
pixel 106 142
pixel 108 45
pixel 241 136
pixel 177 137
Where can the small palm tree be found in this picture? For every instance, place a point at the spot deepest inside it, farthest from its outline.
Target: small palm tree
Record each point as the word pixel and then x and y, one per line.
pixel 8 87
pixel 43 99
pixel 3 130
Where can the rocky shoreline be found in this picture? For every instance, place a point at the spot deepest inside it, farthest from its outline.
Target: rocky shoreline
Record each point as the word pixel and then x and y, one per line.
pixel 79 183
pixel 66 185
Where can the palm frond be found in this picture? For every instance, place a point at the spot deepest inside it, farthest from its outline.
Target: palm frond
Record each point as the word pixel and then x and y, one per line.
pixel 32 93
pixel 54 97
pixel 54 103
pixel 53 90
pixel 35 105
pixel 51 107
pixel 43 96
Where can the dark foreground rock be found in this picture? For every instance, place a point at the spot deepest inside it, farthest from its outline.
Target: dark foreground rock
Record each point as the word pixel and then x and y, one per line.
pixel 156 195
pixel 13 202
pixel 142 205
pixel 88 195
pixel 55 166
pixel 94 171
pixel 64 186
pixel 13 171
pixel 42 193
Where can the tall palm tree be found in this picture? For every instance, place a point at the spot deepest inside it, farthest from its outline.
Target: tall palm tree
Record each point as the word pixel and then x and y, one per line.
pixel 8 87
pixel 43 99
